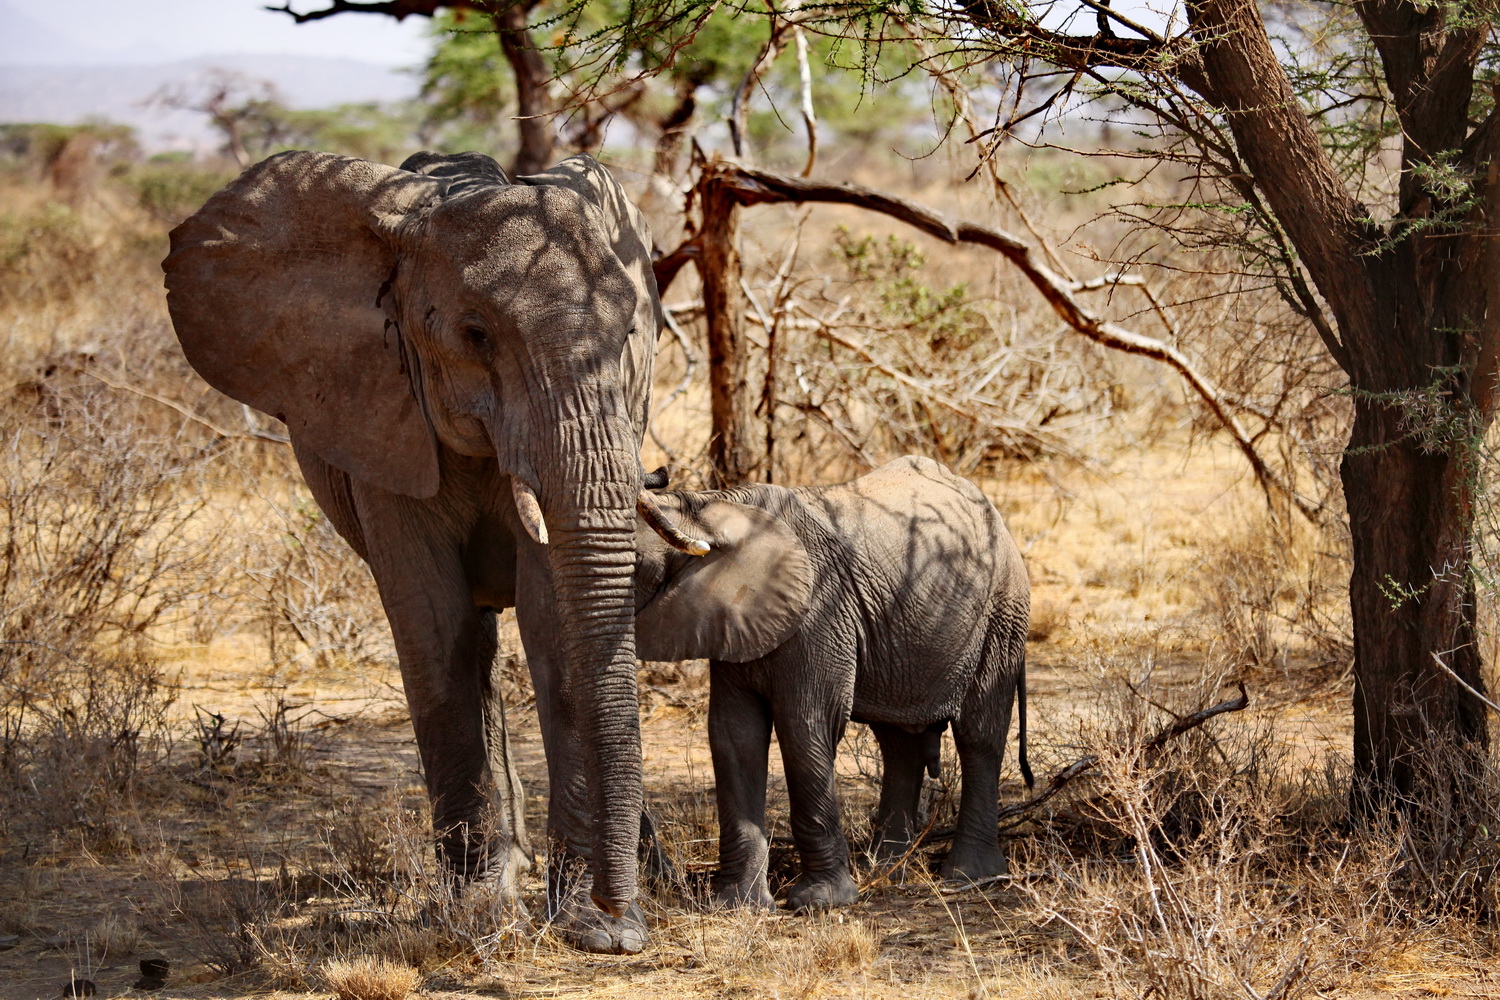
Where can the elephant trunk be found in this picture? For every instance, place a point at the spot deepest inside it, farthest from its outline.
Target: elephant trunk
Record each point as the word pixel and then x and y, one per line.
pixel 589 494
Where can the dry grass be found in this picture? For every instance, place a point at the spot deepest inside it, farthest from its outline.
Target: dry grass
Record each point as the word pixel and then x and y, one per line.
pixel 368 977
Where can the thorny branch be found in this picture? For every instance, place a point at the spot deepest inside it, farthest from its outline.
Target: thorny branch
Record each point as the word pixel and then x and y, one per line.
pixel 252 431
pixel 399 9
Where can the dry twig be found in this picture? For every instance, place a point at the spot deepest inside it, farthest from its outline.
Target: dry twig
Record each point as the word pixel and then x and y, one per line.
pixel 1086 764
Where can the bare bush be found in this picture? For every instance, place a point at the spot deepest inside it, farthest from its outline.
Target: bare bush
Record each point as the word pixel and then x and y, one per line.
pixel 98 521
pixel 1275 591
pixel 1224 868
pixel 309 594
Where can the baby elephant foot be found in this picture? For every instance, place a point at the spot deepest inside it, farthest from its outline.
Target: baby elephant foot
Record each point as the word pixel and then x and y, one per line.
pixel 969 864
pixel 822 892
pixel 752 896
pixel 586 927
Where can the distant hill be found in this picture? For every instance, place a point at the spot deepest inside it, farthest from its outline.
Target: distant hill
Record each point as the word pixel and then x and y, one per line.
pixel 71 94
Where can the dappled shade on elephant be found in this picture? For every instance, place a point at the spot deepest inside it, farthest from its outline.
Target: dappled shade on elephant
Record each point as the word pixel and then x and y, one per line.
pixel 444 344
pixel 899 600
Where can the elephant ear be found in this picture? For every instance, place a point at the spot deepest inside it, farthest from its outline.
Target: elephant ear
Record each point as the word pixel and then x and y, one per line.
pixel 630 238
pixel 461 172
pixel 739 602
pixel 275 288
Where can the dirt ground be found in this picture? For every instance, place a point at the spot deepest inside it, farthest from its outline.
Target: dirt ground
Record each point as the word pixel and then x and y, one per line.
pixel 1117 565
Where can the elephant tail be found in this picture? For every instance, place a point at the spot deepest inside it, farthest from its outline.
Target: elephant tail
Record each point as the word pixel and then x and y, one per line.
pixel 1021 725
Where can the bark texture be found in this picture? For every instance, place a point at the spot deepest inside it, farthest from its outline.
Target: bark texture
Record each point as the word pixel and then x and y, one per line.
pixel 533 104
pixel 736 451
pixel 1410 305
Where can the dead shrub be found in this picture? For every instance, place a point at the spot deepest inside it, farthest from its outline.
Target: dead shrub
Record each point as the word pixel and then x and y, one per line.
pixel 1273 592
pixel 308 592
pixel 98 522
pixel 1224 867
pixel 232 917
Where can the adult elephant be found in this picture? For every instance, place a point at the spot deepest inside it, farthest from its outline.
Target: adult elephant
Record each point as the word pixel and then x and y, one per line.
pixel 463 364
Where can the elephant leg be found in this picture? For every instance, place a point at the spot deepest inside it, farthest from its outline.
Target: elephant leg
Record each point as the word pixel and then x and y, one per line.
pixel 808 749
pixel 446 647
pixel 905 757
pixel 739 735
pixel 503 767
pixel 979 732
pixel 569 822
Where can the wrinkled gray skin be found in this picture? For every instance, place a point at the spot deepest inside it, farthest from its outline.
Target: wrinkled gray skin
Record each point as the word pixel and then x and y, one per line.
pixel 899 600
pixel 427 333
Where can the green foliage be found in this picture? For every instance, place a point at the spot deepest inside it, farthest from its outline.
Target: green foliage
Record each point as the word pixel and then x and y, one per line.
pixel 34 146
pixel 466 81
pixel 172 188
pixel 598 50
pixel 381 133
pixel 945 318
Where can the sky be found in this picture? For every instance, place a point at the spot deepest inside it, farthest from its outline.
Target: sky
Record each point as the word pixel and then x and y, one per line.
pixel 179 29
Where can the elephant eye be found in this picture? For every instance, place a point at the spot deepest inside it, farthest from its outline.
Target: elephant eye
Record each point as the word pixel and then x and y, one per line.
pixel 476 336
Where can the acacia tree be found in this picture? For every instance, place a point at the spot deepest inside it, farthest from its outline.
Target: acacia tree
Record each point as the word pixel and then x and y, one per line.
pixel 530 72
pixel 546 76
pixel 1399 293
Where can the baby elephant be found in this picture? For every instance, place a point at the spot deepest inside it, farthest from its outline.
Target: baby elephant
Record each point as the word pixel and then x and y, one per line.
pixel 898 600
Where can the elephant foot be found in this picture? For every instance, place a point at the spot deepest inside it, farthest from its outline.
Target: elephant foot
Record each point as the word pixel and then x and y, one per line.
pixel 588 928
pixel 970 864
pixel 752 896
pixel 822 892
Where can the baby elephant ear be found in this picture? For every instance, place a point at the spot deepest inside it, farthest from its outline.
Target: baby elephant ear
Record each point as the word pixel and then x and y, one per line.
pixel 739 602
pixel 275 287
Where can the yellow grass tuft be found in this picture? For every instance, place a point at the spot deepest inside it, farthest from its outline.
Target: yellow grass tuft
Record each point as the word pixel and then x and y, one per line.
pixel 366 977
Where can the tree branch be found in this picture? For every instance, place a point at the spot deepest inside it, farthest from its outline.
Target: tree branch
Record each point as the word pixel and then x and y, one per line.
pixel 667 265
pixel 1177 56
pixel 755 186
pixel 253 433
pixel 1331 230
pixel 399 9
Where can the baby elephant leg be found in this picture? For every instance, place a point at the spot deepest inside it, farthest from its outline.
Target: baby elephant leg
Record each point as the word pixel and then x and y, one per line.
pixel 980 733
pixel 976 850
pixel 739 731
pixel 807 753
pixel 905 756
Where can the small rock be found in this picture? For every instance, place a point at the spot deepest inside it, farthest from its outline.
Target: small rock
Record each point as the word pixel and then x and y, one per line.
pixel 8 941
pixel 156 968
pixel 79 988
pixel 55 941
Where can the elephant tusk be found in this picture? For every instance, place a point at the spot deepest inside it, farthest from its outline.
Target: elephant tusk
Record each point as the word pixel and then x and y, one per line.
pixel 529 510
pixel 645 503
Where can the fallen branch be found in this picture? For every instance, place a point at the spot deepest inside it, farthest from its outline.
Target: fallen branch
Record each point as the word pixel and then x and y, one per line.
pixel 1086 764
pixel 755 186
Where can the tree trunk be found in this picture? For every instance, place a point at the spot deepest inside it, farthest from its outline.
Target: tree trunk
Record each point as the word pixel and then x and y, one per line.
pixel 735 452
pixel 534 105
pixel 1411 593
